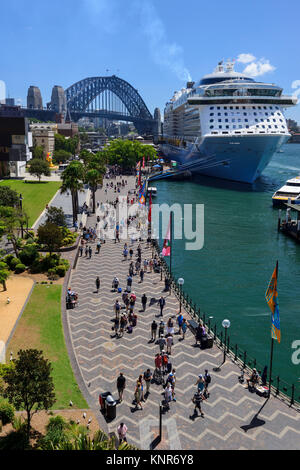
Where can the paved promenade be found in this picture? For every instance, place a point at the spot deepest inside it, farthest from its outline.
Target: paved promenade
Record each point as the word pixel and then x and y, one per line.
pixel 230 421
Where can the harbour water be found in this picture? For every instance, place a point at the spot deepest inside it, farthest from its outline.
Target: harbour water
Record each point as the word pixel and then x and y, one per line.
pixel 229 276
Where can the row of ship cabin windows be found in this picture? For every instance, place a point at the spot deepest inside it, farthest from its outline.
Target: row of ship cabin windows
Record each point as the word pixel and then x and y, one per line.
pixel 247 126
pixel 246 120
pixel 247 114
pixel 243 107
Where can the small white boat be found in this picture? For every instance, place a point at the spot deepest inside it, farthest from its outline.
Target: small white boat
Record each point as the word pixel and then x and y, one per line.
pixel 291 190
pixel 153 191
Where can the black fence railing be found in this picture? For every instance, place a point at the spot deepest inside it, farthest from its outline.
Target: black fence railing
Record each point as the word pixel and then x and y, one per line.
pixel 280 388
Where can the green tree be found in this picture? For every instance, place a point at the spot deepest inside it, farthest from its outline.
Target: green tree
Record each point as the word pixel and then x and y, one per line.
pixel 29 384
pixel 62 156
pixel 51 236
pixel 72 180
pixel 4 274
pixel 95 170
pixel 38 152
pixel 56 215
pixel 39 167
pixel 12 220
pixel 127 153
pixel 8 197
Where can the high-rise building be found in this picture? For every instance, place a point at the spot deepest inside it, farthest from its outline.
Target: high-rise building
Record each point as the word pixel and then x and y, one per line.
pixel 34 98
pixel 58 100
pixel 15 142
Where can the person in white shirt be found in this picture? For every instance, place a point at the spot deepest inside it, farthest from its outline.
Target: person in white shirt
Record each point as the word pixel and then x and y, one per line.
pixel 122 430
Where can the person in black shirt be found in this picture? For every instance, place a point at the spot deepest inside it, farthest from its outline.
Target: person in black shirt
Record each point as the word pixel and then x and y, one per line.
pixel 147 378
pixel 144 301
pixel 197 400
pixel 121 383
pixel 153 330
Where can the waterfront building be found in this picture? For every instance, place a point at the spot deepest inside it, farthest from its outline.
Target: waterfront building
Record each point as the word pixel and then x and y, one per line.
pixel 43 134
pixel 15 142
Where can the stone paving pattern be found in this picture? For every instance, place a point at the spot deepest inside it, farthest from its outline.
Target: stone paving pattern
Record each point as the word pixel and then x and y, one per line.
pixel 230 420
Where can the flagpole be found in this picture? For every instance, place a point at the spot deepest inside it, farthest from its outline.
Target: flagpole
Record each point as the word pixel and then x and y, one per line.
pixel 171 241
pixel 272 347
pixel 271 364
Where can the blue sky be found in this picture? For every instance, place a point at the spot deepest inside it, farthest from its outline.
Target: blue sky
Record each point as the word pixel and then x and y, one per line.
pixel 153 44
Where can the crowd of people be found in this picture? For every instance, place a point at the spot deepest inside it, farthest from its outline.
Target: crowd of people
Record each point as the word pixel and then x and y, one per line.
pixel 125 318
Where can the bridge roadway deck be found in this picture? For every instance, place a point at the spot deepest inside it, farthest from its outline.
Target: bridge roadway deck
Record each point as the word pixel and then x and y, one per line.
pixel 230 421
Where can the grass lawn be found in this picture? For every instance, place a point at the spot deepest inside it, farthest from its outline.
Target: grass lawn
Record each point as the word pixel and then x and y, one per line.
pixel 35 195
pixel 40 327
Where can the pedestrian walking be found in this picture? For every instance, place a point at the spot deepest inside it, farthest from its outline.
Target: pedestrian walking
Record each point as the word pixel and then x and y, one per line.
pixel 98 284
pixel 151 265
pixel 158 362
pixel 86 251
pixel 170 326
pixel 137 396
pixel 131 253
pixel 161 343
pixel 161 304
pixel 144 302
pixel 117 309
pixel 81 250
pixel 142 275
pixel 121 384
pixel 197 400
pixel 184 328
pixel 165 360
pixel 115 283
pixel 140 380
pixel 207 381
pixel 129 281
pixel 145 265
pixel 147 379
pixel 180 322
pixel 200 383
pixel 122 431
pixel 169 343
pixel 90 252
pixel 161 328
pixel 98 247
pixel 153 330
pixel 168 394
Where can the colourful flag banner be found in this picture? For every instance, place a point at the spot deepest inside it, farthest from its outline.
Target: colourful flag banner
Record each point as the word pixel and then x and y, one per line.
pixel 272 301
pixel 143 162
pixel 150 209
pixel 142 197
pixel 166 251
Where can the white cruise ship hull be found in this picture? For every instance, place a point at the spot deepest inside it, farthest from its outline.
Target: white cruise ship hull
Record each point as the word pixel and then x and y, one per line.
pixel 238 158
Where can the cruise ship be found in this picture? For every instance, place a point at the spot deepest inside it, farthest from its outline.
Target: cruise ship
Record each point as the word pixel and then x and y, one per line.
pixel 227 125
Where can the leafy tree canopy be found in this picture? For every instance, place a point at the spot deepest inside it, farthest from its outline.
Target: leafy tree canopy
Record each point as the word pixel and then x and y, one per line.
pixel 39 167
pixel 8 197
pixel 56 215
pixel 51 236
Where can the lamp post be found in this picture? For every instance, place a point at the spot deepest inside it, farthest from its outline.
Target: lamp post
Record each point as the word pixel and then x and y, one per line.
pixel 161 270
pixel 180 282
pixel 226 325
pixel 21 203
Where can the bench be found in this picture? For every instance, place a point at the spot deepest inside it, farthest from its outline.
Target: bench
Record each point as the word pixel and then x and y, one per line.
pixel 193 325
pixel 204 344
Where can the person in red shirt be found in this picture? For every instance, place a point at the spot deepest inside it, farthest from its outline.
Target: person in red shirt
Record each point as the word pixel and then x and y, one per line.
pixel 158 361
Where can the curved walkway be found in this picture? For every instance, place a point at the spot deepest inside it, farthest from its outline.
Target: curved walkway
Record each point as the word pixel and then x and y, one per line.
pixel 230 421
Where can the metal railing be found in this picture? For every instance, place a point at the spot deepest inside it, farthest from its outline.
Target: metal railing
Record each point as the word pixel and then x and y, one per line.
pixel 289 393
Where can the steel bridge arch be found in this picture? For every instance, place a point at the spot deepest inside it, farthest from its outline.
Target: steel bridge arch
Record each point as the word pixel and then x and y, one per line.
pixel 81 94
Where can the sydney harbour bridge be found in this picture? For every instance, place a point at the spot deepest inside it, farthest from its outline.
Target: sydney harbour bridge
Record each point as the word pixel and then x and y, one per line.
pixel 110 98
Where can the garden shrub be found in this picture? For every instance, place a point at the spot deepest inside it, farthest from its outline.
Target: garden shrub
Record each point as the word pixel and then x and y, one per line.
pixel 60 270
pixel 20 268
pixel 8 259
pixel 29 254
pixel 7 411
pixel 29 235
pixel 14 262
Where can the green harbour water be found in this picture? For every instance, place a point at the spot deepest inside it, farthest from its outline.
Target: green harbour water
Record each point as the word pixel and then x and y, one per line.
pixel 228 278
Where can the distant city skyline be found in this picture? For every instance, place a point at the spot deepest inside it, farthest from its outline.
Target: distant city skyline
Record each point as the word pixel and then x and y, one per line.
pixel 155 46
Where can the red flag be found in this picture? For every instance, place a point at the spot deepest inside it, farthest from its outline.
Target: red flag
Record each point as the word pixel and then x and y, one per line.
pixel 143 162
pixel 140 180
pixel 166 251
pixel 150 209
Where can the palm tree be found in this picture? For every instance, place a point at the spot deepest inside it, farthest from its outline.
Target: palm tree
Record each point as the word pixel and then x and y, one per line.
pixel 100 442
pixel 72 180
pixel 4 275
pixel 95 169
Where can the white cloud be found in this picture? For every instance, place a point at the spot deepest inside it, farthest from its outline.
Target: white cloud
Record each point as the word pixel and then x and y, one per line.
pixel 246 58
pixel 163 52
pixel 258 68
